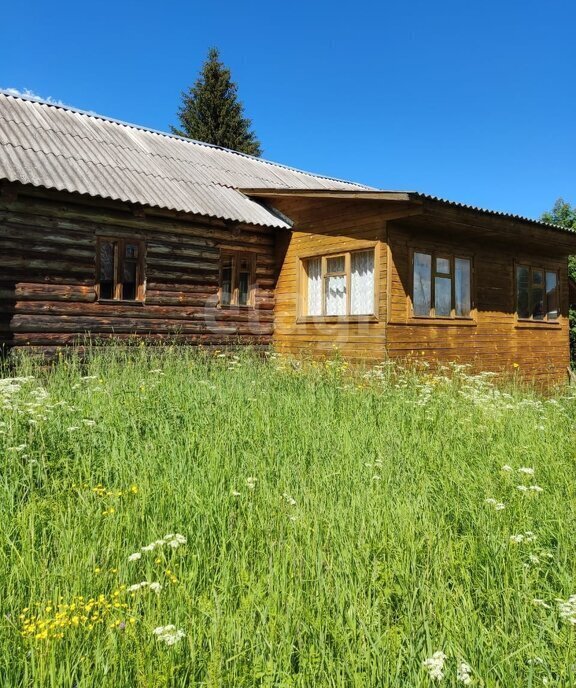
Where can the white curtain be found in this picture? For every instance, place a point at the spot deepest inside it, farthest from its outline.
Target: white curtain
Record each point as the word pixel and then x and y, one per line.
pixel 314 273
pixel 336 295
pixel 362 283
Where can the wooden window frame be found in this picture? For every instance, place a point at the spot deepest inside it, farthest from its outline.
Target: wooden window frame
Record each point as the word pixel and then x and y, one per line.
pixel 303 316
pixel 531 321
pixel 236 257
pixel 118 269
pixel 451 257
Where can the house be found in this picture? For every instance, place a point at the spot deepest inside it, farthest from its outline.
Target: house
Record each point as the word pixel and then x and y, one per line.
pixel 116 230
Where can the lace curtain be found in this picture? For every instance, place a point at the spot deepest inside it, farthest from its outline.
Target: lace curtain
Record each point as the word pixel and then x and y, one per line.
pixel 362 283
pixel 314 271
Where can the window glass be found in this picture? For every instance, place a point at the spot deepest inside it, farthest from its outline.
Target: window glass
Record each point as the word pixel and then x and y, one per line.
pixel 552 295
pixel 443 266
pixel 336 264
pixel 107 265
pixel 244 283
pixel 422 287
pixel 462 287
pixel 226 281
pixel 362 283
pixel 537 294
pixel 314 277
pixel 129 272
pixel 442 296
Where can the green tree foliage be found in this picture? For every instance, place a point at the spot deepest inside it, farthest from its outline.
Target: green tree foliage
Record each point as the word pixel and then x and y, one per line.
pixel 211 111
pixel 564 214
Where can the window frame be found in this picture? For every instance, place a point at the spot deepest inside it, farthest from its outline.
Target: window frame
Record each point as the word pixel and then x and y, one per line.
pixel 302 311
pixel 119 258
pixel 434 273
pixel 531 321
pixel 236 257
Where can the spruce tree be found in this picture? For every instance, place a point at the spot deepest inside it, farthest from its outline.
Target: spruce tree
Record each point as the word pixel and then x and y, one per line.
pixel 211 111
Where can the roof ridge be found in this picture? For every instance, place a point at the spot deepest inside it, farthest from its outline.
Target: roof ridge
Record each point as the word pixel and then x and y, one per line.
pixel 138 127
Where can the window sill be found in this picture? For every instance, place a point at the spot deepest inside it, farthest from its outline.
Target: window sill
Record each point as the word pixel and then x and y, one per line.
pixel 538 325
pixel 439 322
pixel 234 307
pixel 120 302
pixel 336 319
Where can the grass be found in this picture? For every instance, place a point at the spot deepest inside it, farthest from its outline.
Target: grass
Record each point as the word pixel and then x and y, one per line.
pixel 363 545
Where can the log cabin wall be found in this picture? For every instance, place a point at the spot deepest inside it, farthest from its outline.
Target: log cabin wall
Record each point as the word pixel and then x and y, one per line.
pixel 493 338
pixel 47 275
pixel 323 229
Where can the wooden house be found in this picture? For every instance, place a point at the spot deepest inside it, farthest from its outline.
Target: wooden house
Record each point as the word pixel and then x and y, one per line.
pixel 115 230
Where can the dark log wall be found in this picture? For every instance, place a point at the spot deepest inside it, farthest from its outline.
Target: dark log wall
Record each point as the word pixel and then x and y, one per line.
pixel 47 276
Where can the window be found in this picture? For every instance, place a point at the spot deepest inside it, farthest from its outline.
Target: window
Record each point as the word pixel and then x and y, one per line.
pixel 537 295
pixel 119 269
pixel 339 285
pixel 236 279
pixel 441 286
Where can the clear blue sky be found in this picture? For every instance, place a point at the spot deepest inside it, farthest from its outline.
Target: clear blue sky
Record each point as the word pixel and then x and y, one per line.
pixel 473 101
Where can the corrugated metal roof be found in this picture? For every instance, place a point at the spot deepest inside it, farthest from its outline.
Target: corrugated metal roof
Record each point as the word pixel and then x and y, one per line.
pixel 58 147
pixel 392 196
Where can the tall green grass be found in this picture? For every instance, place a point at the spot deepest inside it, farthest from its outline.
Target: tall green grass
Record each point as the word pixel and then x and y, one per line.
pixel 336 523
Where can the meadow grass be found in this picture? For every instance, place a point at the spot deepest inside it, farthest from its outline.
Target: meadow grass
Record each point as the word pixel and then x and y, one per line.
pixel 336 524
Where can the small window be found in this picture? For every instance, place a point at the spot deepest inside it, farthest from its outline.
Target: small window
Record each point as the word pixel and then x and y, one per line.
pixel 441 286
pixel 119 269
pixel 537 296
pixel 339 285
pixel 237 279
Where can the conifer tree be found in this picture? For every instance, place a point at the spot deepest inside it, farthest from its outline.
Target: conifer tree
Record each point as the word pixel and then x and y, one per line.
pixel 211 111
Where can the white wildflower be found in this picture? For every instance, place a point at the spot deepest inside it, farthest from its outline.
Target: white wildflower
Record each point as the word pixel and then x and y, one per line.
pixel 522 488
pixel 149 548
pixel 463 673
pixel 507 468
pixel 517 539
pixel 235 493
pixel 135 556
pixel 138 586
pixel 538 602
pixel 251 483
pixel 89 423
pixel 526 471
pixel 567 609
pixel 534 559
pixel 170 536
pixel 73 428
pixel 376 477
pixel 435 666
pixel 536 488
pixel 290 500
pixel 498 506
pixel 155 587
pixel 169 634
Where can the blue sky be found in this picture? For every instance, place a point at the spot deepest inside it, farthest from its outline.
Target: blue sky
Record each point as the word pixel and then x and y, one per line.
pixel 472 101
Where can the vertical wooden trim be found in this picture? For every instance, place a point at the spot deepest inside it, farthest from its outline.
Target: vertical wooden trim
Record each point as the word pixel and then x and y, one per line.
pixel 348 279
